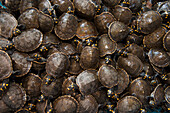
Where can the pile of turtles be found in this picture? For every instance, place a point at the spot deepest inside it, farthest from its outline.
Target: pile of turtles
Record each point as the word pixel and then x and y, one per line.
pixel 84 56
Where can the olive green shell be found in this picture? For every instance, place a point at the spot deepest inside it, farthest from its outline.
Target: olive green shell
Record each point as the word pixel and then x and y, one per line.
pixel 28 40
pixel 111 3
pixel 67 48
pixel 25 4
pixel 7 24
pixel 5 65
pixel 167 94
pixel 166 41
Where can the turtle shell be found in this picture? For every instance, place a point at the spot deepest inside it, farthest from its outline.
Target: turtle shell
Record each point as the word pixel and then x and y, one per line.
pixel 166 41
pixel 108 76
pixel 118 31
pixel 147 67
pixel 54 89
pixel 4 42
pixel 122 14
pixel 134 39
pixel 57 64
pixel 25 4
pixel 75 67
pixel 131 64
pixel 5 65
pixel 135 5
pixel 103 61
pixel 168 76
pixel 141 88
pixel 86 29
pixel 44 4
pixel 40 107
pixel 102 20
pixel 167 94
pixel 7 24
pixel 89 57
pixel 29 18
pixel 23 111
pixel 28 40
pixel 15 97
pixel 129 104
pixel 123 81
pixel 49 38
pixel 4 108
pixel 66 104
pixel 46 22
pixel 13 5
pixel 67 48
pixel 66 27
pixel 20 63
pixel 111 3
pixel 149 21
pixel 154 40
pixel 87 81
pixel 159 57
pixel 88 105
pixel 32 84
pixel 100 96
pixel 106 45
pixel 158 94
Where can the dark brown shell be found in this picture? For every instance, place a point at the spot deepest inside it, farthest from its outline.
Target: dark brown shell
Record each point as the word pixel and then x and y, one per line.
pixel 25 4
pixel 103 61
pixel 149 22
pixel 4 42
pixel 122 14
pixel 106 45
pixel 166 41
pixel 141 88
pixel 168 76
pixel 118 31
pixel 40 107
pixel 13 5
pixel 7 24
pixel 154 40
pixel 4 108
pixel 147 67
pixel 158 94
pixel 75 67
pixel 49 38
pixel 111 3
pixel 123 81
pixel 86 29
pixel 67 48
pixel 88 105
pixel 20 63
pixel 88 82
pixel 44 4
pixel 129 104
pixel 57 64
pixel 53 50
pixel 159 57
pixel 131 64
pixel 102 20
pixel 15 97
pixel 89 57
pixel 38 66
pixel 32 85
pixel 100 96
pixel 5 65
pixel 66 104
pixel 108 76
pixel 135 5
pixel 167 94
pixel 85 8
pixel 66 27
pixel 28 40
pixel 135 39
pixel 29 18
pixel 46 22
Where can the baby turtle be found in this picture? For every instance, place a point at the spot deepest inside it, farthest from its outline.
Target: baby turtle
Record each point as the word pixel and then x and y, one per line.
pixel 108 76
pixel 57 64
pixel 13 5
pixel 86 29
pixel 50 38
pixel 149 22
pixel 129 104
pixel 111 3
pixel 159 57
pixel 135 5
pixel 67 48
pixel 106 45
pixel 166 41
pixel 4 108
pixel 66 104
pixel 44 4
pixel 28 40
pixel 25 4
pixel 89 57
pixel 6 45
pixel 15 97
pixel 5 65
pixel 133 38
pixel 167 94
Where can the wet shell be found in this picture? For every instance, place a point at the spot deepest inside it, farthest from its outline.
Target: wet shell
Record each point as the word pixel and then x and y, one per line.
pixel 118 31
pixel 66 104
pixel 28 40
pixel 89 58
pixel 44 4
pixel 131 64
pixel 159 57
pixel 86 29
pixel 25 4
pixel 108 76
pixel 167 94
pixel 40 107
pixel 4 108
pixel 13 5
pixel 103 61
pixel 57 64
pixel 87 81
pixel 100 96
pixel 149 22
pixel 135 5
pixel 134 39
pixel 129 104
pixel 7 24
pixel 15 97
pixel 166 41
pixel 49 38
pixel 147 67
pixel 141 88
pixel 5 65
pixel 102 20
pixel 20 63
pixel 111 3
pixel 32 85
pixel 106 45
pixel 66 27
pixel 75 67
pixel 29 18
pixel 67 48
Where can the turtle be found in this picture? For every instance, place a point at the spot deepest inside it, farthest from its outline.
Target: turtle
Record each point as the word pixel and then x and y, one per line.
pixel 135 5
pixel 67 49
pixel 25 4
pixel 4 108
pixel 4 86
pixel 166 41
pixel 111 3
pixel 40 107
pixel 44 4
pixel 167 93
pixel 13 5
pixel 6 45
